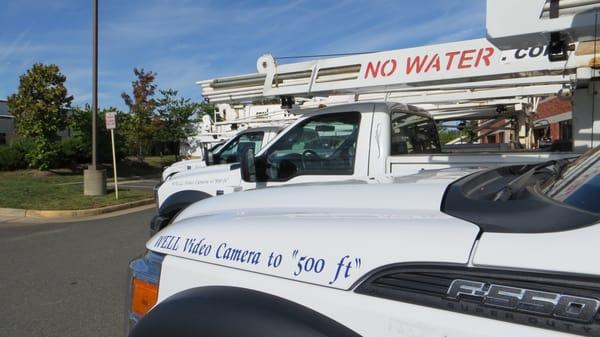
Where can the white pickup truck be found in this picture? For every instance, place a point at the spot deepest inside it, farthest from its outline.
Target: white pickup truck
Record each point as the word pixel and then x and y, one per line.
pixel 227 152
pixel 509 251
pixel 364 141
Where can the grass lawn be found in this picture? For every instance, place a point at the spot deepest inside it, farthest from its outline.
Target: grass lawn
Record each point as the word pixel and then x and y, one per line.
pixel 160 162
pixel 130 167
pixel 32 189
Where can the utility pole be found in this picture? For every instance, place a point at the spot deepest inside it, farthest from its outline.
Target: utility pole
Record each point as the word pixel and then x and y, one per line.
pixel 94 82
pixel 94 180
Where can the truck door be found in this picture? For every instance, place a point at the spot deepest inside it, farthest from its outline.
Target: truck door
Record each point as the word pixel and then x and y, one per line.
pixel 321 148
pixel 230 152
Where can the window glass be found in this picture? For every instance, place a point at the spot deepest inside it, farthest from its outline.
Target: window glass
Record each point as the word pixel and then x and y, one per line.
pixel 229 153
pixel 321 145
pixel 413 134
pixel 579 185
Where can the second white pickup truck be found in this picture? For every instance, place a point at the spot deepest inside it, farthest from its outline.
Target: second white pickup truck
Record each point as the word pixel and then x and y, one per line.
pixel 227 152
pixel 359 141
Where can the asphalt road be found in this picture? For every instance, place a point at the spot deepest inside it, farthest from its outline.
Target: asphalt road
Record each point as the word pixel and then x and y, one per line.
pixel 68 279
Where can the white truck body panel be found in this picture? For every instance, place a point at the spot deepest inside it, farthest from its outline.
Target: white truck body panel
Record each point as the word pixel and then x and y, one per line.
pixel 410 164
pixel 562 251
pixel 366 315
pixel 183 165
pixel 426 189
pixel 325 231
pixel 319 241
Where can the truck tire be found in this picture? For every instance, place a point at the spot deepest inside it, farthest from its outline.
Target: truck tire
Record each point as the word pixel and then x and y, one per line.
pixel 233 312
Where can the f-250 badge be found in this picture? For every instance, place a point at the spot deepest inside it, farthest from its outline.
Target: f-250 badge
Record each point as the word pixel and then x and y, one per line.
pixel 527 301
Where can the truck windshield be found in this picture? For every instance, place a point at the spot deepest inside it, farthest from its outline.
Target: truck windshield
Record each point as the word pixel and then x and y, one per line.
pixel 579 184
pixel 229 153
pixel 413 133
pixel 324 144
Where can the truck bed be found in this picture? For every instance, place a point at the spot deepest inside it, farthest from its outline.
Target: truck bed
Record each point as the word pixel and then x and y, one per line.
pixel 407 164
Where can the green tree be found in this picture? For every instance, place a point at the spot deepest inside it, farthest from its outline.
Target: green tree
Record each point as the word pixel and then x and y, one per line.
pixel 80 123
pixel 470 131
pixel 40 107
pixel 208 109
pixel 141 107
pixel 467 130
pixel 447 135
pixel 175 118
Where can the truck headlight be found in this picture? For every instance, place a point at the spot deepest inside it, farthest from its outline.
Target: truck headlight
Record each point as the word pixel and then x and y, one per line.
pixel 144 276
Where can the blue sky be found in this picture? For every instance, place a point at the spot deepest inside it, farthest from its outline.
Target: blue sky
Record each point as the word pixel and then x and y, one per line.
pixel 184 41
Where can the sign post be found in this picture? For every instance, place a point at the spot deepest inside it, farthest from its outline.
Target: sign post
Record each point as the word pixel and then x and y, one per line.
pixel 111 123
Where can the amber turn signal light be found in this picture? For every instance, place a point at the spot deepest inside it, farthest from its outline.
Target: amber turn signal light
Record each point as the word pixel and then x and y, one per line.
pixel 144 296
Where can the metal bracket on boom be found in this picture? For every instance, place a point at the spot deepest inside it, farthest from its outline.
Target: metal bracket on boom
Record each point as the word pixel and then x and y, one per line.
pixel 287 102
pixel 558 49
pixel 554 8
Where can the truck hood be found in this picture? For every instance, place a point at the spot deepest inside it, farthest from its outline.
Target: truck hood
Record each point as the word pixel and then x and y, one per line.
pixel 209 181
pixel 326 235
pixel 190 169
pixel 183 163
pixel 422 191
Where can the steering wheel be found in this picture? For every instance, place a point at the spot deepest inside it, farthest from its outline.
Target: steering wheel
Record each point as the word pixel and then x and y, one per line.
pixel 310 153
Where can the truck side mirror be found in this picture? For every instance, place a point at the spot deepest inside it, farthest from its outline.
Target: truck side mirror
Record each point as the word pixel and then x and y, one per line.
pixel 206 156
pixel 210 159
pixel 247 166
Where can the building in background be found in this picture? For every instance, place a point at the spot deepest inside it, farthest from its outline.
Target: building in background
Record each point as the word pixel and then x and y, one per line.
pixel 7 123
pixel 552 127
pixel 496 132
pixel 553 124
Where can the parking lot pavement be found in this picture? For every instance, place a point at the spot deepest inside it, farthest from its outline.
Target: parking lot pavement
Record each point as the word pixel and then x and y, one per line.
pixel 7 219
pixel 68 278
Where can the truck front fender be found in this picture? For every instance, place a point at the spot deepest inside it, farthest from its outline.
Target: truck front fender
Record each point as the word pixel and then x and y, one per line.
pixel 180 200
pixel 231 312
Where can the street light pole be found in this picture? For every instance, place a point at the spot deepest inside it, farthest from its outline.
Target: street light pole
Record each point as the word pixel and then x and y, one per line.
pixel 94 82
pixel 94 180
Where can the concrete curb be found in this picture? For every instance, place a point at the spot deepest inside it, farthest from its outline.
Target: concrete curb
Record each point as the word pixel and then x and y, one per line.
pixel 13 212
pixel 79 213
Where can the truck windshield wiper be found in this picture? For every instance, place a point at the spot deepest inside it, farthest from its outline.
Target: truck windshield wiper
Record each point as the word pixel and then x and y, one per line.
pixel 559 168
pixel 516 185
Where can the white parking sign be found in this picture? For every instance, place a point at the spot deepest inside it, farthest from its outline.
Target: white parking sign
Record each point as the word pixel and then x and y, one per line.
pixel 111 120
